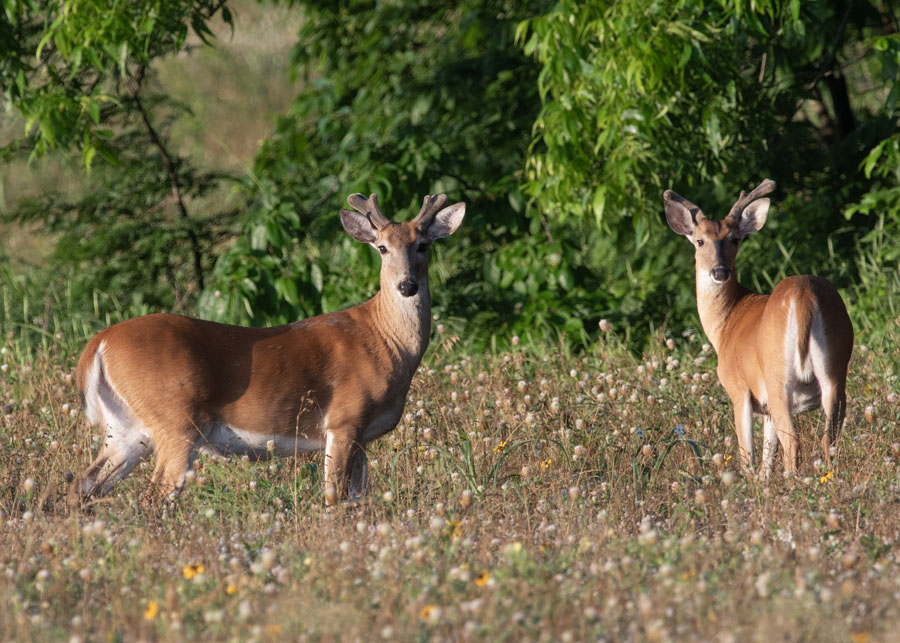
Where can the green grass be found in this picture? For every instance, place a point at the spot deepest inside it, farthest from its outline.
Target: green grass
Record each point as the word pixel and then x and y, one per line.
pixel 525 495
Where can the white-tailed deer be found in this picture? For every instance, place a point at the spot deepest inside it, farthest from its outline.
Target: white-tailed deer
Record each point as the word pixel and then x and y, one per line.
pixel 176 386
pixel 779 354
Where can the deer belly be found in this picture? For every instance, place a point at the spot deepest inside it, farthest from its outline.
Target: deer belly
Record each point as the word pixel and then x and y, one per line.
pixel 222 439
pixel 806 396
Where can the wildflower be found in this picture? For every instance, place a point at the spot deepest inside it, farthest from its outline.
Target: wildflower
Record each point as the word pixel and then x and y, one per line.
pixel 456 529
pixel 546 463
pixel 870 413
pixel 151 611
pixel 230 589
pixel 482 579
pixel 828 476
pixel 604 325
pixel 430 613
pixel 640 433
pixel 500 446
pixel 679 430
pixel 727 458
pixel 192 570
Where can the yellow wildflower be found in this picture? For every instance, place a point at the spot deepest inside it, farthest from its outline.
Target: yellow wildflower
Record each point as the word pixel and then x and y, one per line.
pixel 426 612
pixel 192 570
pixel 828 476
pixel 500 446
pixel 727 458
pixel 273 630
pixel 230 589
pixel 455 528
pixel 482 579
pixel 151 611
pixel 546 463
pixel 860 637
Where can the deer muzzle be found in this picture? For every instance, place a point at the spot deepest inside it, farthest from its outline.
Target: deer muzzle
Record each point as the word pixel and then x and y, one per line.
pixel 720 273
pixel 408 287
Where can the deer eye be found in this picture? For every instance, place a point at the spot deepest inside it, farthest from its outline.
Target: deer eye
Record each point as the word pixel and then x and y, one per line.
pixel 699 243
pixel 422 247
pixel 382 250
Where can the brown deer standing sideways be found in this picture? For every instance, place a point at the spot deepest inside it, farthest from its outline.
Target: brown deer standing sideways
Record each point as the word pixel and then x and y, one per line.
pixel 779 354
pixel 175 386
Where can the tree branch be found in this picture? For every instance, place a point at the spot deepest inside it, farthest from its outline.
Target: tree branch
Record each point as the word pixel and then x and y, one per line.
pixel 171 170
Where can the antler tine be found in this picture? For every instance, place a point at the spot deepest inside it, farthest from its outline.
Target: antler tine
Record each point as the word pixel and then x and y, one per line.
pixel 761 190
pixel 431 205
pixel 370 208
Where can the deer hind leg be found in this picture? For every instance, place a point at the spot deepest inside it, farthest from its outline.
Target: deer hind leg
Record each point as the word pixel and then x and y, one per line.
pixel 126 441
pixel 780 412
pixel 770 447
pixel 175 453
pixel 834 404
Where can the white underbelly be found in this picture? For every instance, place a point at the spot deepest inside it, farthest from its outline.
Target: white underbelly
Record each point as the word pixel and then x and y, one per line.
pixel 806 396
pixel 222 439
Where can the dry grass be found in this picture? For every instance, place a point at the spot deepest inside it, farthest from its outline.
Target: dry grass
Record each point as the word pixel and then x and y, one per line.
pixel 529 495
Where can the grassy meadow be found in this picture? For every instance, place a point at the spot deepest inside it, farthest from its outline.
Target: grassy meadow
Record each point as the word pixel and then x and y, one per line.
pixel 528 495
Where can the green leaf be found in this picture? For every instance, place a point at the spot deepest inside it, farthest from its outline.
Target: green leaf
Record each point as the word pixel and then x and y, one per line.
pixel 93 108
pixel 87 154
pixel 287 288
pixel 316 277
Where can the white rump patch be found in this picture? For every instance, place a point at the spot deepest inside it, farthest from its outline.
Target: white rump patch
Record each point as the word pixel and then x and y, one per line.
pixel 803 376
pixel 126 440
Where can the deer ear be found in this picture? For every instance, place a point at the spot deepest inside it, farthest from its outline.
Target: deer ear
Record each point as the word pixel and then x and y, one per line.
pixel 754 217
pixel 677 214
pixel 358 226
pixel 446 222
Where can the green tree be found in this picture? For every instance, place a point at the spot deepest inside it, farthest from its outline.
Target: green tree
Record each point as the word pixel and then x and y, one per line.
pixel 80 75
pixel 403 99
pixel 709 98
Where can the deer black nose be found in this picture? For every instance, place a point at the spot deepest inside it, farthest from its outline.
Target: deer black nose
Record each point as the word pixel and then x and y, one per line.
pixel 408 288
pixel 720 273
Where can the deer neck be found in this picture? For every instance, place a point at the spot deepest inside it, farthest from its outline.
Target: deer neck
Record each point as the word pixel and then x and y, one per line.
pixel 404 323
pixel 715 302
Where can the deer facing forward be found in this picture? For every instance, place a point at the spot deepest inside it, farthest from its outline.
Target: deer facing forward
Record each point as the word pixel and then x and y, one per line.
pixel 779 354
pixel 176 386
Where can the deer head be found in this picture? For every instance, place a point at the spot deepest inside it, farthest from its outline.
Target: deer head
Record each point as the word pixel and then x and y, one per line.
pixel 716 242
pixel 403 246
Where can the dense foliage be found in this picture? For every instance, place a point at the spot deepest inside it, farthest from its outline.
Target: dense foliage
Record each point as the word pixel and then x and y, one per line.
pixel 80 76
pixel 558 123
pixel 708 99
